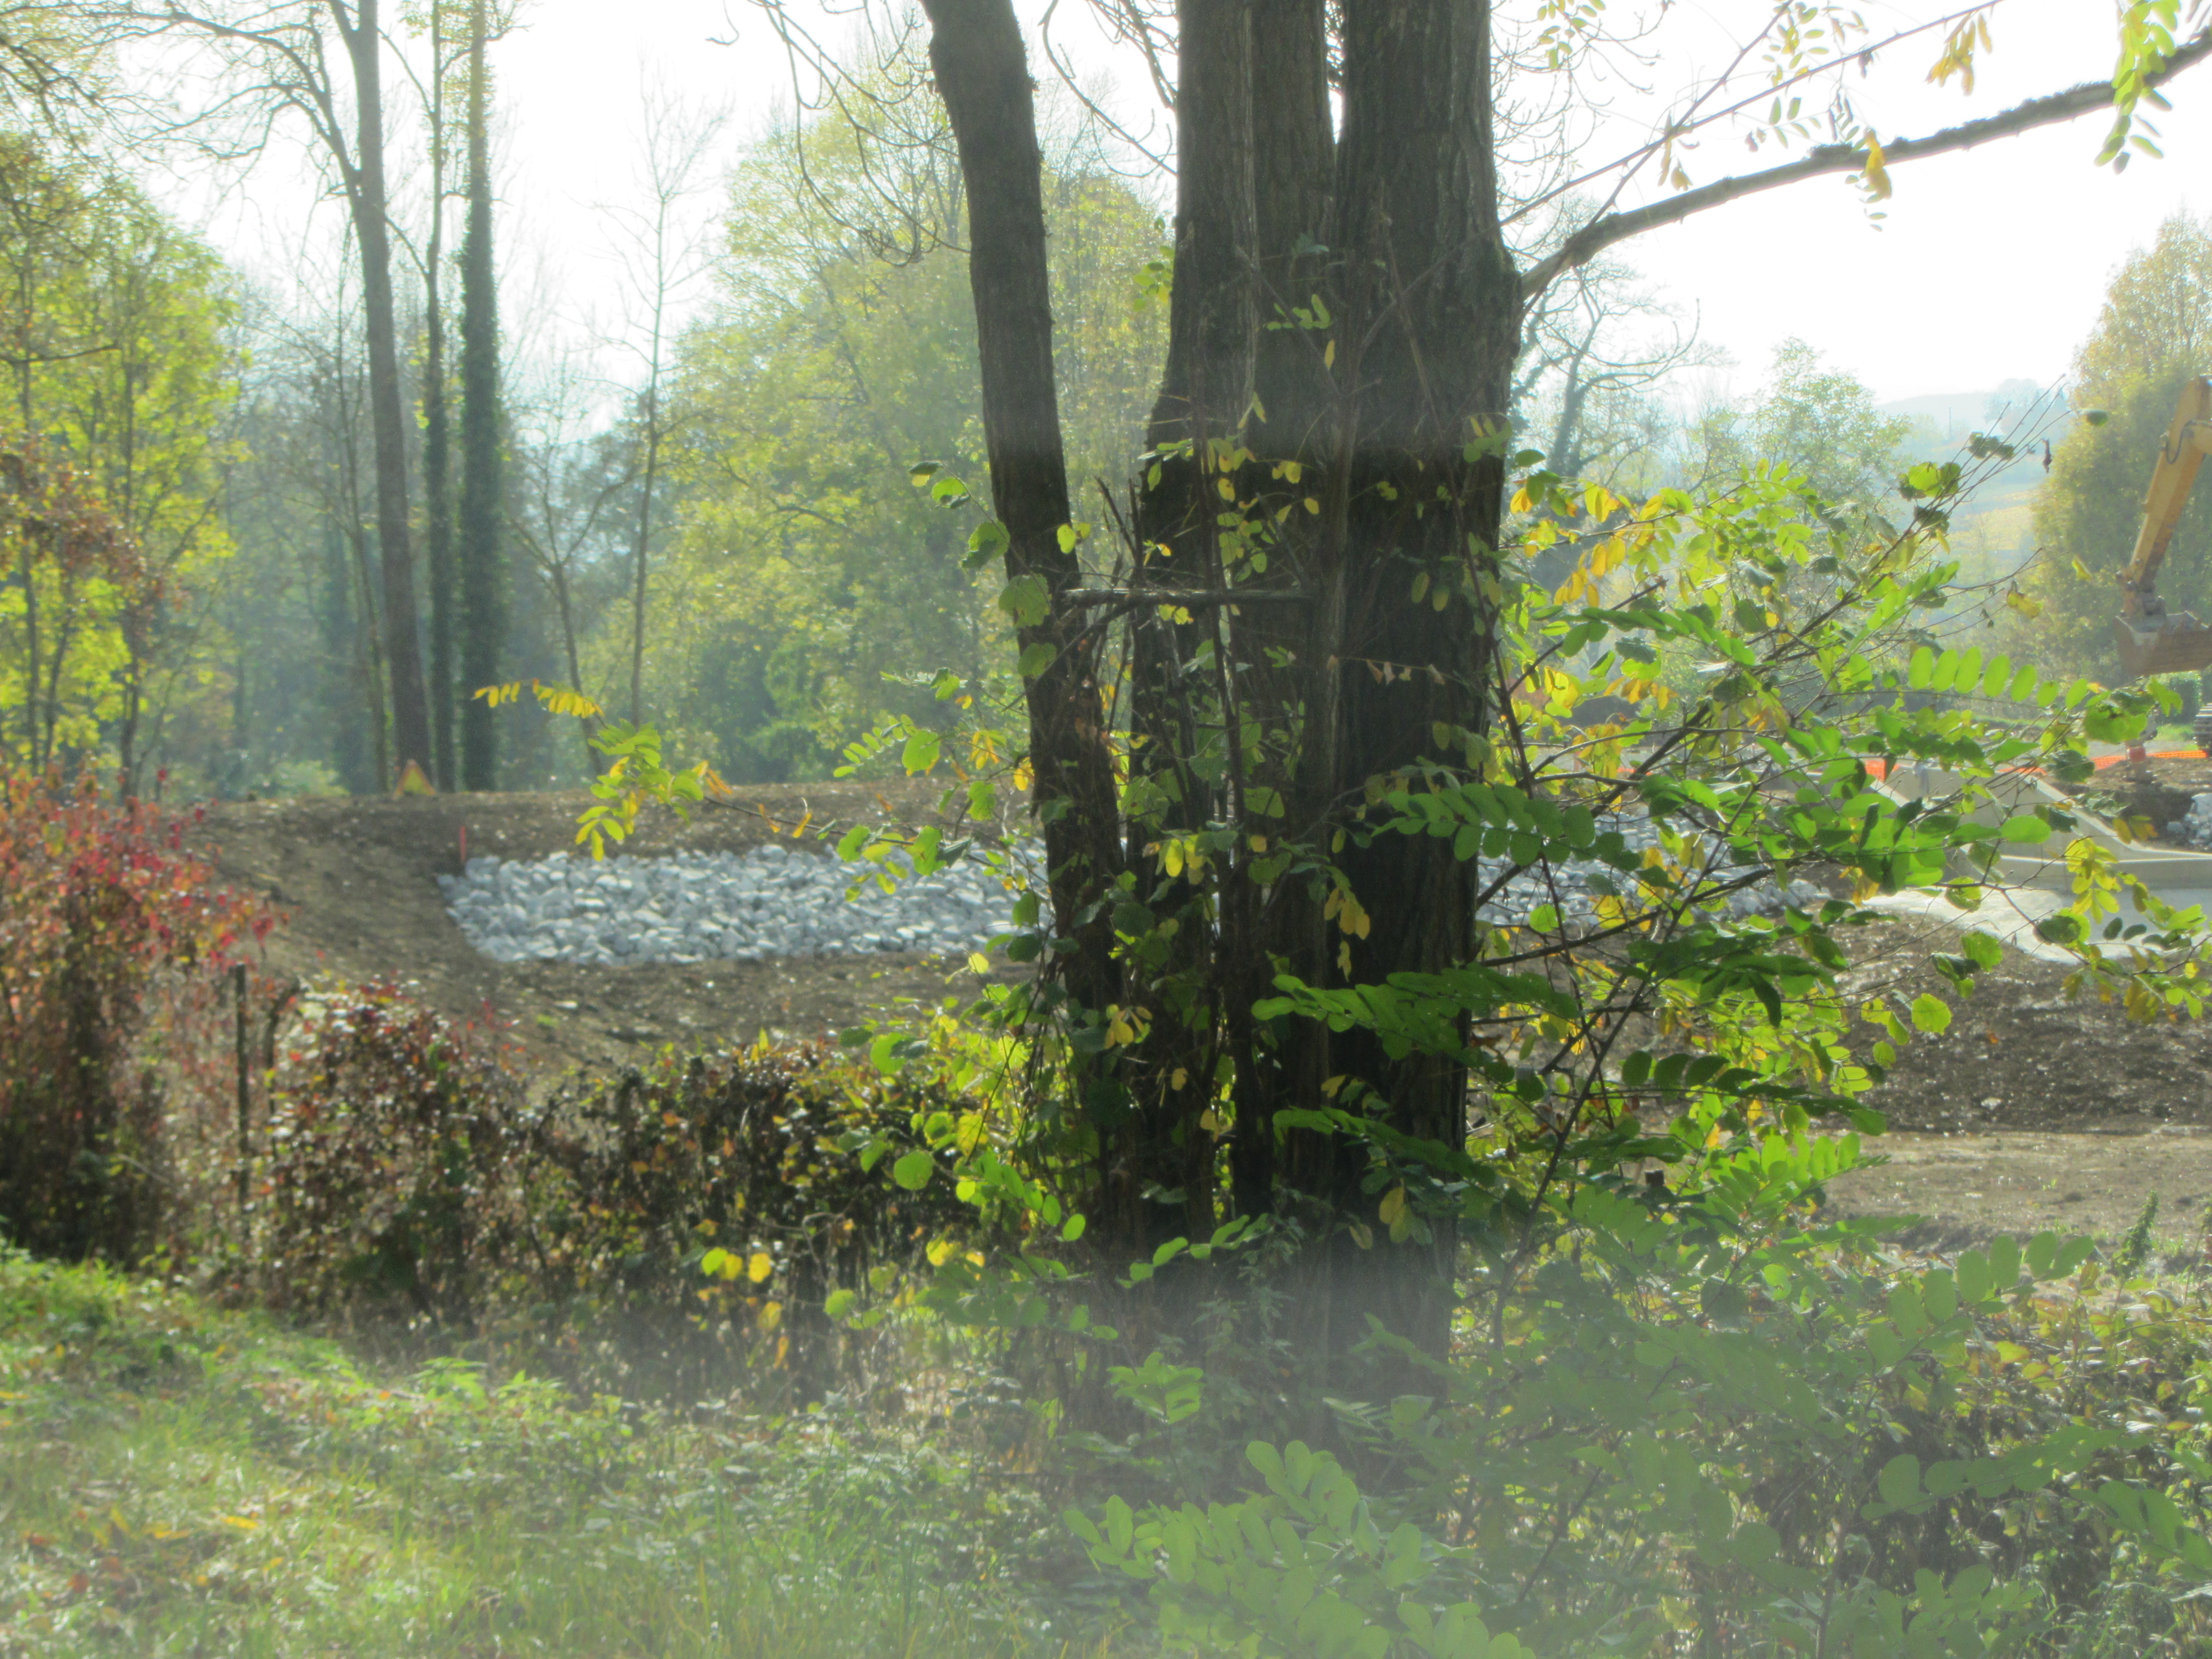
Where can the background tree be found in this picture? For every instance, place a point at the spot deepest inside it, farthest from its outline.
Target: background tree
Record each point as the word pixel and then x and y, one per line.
pixel 482 563
pixel 124 370
pixel 811 588
pixel 437 419
pixel 2153 334
pixel 276 55
pixel 661 255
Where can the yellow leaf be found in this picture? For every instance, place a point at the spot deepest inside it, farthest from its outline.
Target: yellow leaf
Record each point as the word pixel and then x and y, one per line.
pixel 771 1315
pixel 1312 506
pixel 1393 1207
pixel 761 1265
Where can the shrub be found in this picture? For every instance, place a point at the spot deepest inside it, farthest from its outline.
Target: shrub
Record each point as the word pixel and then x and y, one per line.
pixel 392 1171
pixel 661 1229
pixel 716 1197
pixel 102 917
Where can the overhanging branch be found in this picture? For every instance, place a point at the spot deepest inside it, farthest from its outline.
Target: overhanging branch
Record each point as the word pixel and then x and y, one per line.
pixel 1601 234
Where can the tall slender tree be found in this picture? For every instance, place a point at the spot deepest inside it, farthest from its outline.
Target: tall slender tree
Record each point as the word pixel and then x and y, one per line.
pixel 276 52
pixel 482 564
pixel 437 425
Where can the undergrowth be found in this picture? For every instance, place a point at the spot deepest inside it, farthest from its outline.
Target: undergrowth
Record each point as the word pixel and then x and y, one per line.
pixel 180 1479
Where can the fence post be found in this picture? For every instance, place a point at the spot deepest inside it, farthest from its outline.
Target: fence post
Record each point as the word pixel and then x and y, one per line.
pixel 245 1106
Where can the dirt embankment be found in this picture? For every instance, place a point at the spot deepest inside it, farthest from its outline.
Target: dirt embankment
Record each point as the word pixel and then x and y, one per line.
pixel 357 881
pixel 2035 1109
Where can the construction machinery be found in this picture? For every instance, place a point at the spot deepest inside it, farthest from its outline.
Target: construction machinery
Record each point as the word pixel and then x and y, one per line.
pixel 2152 640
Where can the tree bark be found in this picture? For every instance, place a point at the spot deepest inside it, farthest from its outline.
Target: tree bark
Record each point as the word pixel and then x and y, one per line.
pixel 983 74
pixel 1205 390
pixel 369 200
pixel 1427 319
pixel 483 568
pixel 437 432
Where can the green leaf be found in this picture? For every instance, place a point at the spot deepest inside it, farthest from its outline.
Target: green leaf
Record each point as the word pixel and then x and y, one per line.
pixel 920 753
pixel 840 1303
pixel 1900 1481
pixel 2026 827
pixel 913 1171
pixel 1026 600
pixel 1037 659
pixel 1930 1013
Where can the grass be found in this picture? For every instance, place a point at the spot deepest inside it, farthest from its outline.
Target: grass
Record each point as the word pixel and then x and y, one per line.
pixel 179 1480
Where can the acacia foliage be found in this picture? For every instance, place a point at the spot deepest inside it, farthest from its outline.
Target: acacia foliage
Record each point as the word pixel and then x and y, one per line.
pixel 2153 333
pixel 806 575
pixel 124 380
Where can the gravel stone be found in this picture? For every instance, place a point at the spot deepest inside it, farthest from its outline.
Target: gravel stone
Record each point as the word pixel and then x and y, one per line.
pixel 694 907
pixel 770 902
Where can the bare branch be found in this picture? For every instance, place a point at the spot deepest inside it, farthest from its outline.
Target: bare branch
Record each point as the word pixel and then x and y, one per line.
pixel 2048 111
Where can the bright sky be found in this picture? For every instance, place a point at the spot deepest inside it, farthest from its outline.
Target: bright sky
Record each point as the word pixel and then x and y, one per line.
pixel 1988 265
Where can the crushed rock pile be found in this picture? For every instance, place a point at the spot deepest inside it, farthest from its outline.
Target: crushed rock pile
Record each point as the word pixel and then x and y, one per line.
pixel 2195 829
pixel 773 901
pixel 702 907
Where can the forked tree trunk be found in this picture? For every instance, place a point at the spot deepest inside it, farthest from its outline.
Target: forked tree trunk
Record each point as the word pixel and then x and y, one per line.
pixel 1408 358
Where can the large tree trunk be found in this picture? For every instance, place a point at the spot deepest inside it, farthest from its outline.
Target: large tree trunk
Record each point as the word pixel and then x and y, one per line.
pixel 483 570
pixel 1427 321
pixel 411 709
pixel 1204 392
pixel 983 74
pixel 1295 407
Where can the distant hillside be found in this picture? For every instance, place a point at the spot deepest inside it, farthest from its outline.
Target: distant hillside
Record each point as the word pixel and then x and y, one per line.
pixel 1952 415
pixel 1944 419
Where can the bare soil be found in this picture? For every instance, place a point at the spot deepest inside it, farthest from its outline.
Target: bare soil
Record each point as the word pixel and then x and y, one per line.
pixel 356 882
pixel 2035 1109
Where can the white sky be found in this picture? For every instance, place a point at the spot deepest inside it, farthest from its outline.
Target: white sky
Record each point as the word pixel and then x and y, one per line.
pixel 1988 266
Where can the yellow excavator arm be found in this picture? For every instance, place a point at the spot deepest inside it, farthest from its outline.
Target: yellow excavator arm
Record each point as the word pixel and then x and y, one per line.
pixel 2152 641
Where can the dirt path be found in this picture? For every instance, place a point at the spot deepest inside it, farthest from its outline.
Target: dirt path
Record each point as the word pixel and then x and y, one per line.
pixel 2095 1181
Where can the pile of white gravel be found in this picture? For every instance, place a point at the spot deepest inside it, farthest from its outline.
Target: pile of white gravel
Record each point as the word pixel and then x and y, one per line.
pixel 705 907
pixel 775 901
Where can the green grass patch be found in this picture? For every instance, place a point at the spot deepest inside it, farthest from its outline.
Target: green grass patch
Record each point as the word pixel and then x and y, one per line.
pixel 179 1480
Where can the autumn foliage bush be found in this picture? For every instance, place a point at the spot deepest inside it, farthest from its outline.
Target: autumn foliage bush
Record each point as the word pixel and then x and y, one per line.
pixel 110 933
pixel 662 1230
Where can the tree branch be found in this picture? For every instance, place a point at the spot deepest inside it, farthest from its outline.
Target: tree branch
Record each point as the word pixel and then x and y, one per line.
pixel 1601 234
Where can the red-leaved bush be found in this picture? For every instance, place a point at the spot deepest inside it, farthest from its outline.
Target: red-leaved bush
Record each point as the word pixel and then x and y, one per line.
pixel 103 914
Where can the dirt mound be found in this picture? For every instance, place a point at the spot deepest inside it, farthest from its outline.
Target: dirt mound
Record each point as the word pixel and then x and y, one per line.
pixel 2036 1109
pixel 357 881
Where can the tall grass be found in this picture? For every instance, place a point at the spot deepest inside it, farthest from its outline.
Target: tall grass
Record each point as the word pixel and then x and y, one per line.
pixel 178 1480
